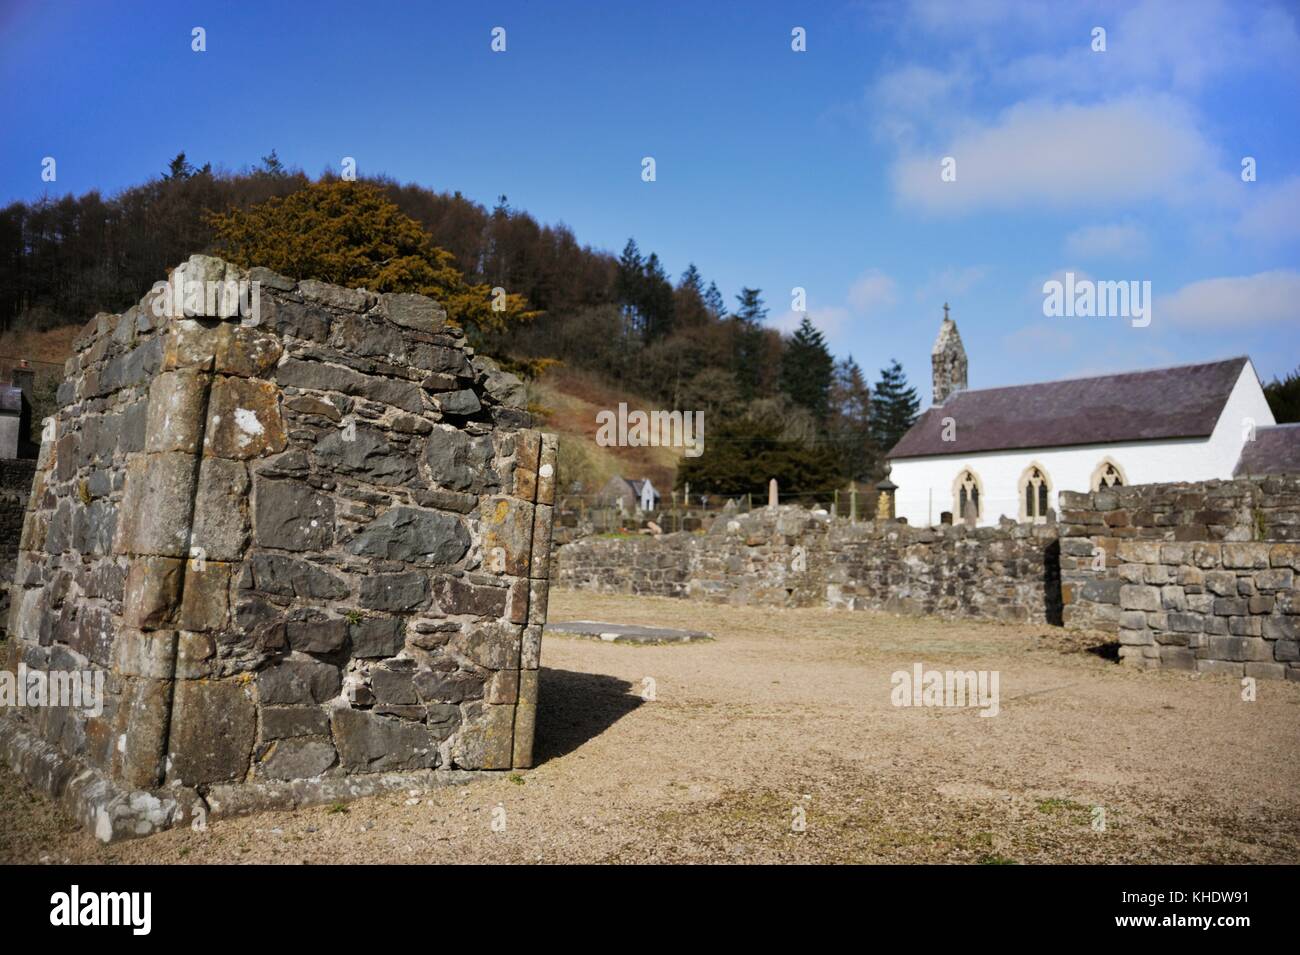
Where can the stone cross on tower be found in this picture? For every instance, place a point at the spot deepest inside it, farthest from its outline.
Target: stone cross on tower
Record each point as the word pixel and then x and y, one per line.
pixel 948 359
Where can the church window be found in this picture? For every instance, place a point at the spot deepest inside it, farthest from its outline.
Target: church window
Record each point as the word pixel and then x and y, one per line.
pixel 1108 474
pixel 1034 493
pixel 966 495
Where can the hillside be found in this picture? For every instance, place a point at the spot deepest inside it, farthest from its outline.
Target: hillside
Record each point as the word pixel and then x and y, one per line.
pixel 567 401
pixel 50 347
pixel 45 352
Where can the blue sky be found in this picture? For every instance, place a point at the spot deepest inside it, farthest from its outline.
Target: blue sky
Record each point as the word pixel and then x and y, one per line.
pixel 775 169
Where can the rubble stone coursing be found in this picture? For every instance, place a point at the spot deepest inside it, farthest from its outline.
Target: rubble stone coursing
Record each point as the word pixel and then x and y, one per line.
pixel 308 552
pixel 1191 576
pixel 15 488
pixel 790 557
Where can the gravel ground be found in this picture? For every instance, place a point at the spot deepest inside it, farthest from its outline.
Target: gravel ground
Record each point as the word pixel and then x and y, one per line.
pixel 787 716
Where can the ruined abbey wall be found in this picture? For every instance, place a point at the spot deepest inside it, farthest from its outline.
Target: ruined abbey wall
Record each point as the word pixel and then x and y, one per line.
pixel 1191 576
pixel 305 547
pixel 1199 576
pixel 791 557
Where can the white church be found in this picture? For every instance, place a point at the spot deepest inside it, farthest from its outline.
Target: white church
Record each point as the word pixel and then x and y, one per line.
pixel 1008 452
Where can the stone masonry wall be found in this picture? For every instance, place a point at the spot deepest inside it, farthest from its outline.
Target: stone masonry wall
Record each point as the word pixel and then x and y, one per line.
pixel 301 548
pixel 15 489
pixel 1192 576
pixel 796 558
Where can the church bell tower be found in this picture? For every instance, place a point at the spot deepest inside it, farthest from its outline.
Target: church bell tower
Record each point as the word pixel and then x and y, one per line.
pixel 948 359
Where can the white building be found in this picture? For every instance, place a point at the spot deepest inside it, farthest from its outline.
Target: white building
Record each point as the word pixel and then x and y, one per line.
pixel 629 496
pixel 1008 452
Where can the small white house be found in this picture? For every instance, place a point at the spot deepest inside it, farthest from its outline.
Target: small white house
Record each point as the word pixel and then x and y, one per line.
pixel 627 496
pixel 647 496
pixel 1009 452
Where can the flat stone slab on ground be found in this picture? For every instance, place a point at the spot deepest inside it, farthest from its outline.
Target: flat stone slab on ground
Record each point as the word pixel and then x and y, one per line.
pixel 625 633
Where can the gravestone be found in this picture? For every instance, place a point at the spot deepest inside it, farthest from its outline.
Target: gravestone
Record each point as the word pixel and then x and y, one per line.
pixel 301 532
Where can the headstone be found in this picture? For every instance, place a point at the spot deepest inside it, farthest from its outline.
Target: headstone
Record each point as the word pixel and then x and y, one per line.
pixel 771 493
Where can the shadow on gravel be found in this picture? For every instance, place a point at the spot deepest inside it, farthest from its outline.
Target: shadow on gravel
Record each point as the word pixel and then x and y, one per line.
pixel 1107 651
pixel 575 707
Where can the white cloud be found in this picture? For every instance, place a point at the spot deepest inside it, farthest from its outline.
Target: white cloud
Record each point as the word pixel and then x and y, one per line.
pixel 1034 291
pixel 1078 127
pixel 915 88
pixel 830 320
pixel 906 102
pixel 1187 43
pixel 1178 45
pixel 952 283
pixel 960 16
pixel 1233 302
pixel 1121 240
pixel 1069 155
pixel 1040 338
pixel 1274 212
pixel 873 291
pixel 870 295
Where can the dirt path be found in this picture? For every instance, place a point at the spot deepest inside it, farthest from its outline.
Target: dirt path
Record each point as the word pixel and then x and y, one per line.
pixel 788 716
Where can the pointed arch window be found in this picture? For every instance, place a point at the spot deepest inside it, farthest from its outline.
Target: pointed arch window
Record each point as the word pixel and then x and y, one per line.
pixel 1035 493
pixel 966 494
pixel 1108 474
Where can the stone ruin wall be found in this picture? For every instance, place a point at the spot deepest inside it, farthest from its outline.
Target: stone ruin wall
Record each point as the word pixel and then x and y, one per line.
pixel 308 552
pixel 790 557
pixel 1196 577
pixel 15 490
pixel 1190 576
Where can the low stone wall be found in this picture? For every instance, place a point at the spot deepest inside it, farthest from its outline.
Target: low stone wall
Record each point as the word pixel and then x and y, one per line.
pixel 791 557
pixel 1212 607
pixel 1194 576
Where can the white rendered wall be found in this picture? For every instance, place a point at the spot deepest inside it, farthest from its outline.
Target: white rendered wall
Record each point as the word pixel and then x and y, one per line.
pixel 925 485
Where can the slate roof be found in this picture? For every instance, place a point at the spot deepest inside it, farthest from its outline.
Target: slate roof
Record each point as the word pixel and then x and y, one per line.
pixel 1275 450
pixel 638 484
pixel 1180 402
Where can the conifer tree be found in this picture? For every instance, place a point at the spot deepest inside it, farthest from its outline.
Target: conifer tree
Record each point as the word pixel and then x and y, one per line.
pixel 806 370
pixel 656 300
pixel 748 356
pixel 1283 397
pixel 714 302
pixel 894 407
pixel 689 308
pixel 850 421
